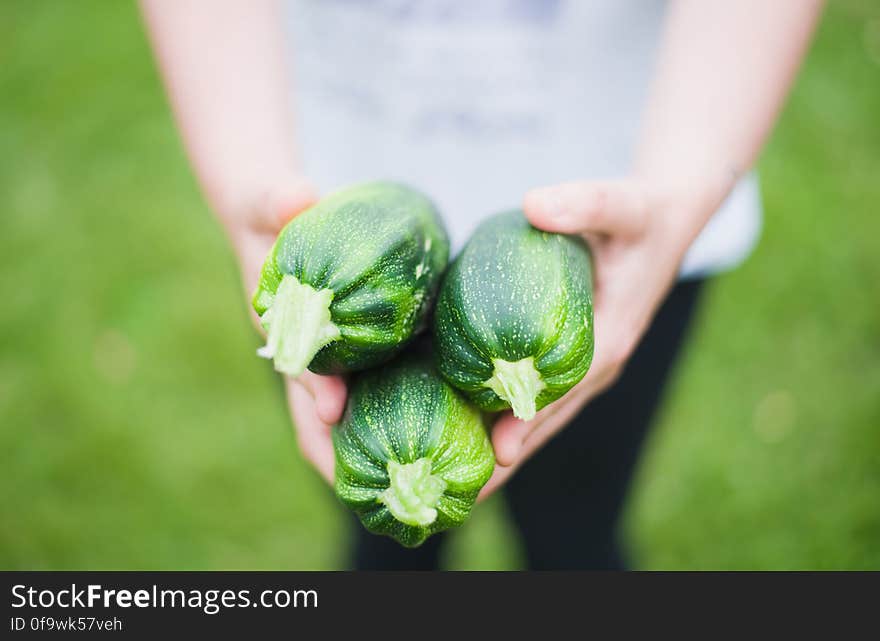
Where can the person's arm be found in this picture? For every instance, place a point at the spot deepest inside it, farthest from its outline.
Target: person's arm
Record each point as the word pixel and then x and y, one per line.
pixel 723 74
pixel 224 69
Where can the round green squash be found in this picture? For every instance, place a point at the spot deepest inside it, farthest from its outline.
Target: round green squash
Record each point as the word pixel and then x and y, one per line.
pixel 513 326
pixel 411 453
pixel 351 279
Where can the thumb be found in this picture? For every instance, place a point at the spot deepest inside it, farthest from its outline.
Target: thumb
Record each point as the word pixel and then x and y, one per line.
pixel 312 434
pixel 329 393
pixel 279 205
pixel 508 435
pixel 614 207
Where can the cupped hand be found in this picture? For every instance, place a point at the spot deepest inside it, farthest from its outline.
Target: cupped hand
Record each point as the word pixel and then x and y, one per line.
pixel 637 234
pixel 316 402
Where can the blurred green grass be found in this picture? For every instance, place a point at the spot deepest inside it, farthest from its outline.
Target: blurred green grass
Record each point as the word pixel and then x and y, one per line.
pixel 137 430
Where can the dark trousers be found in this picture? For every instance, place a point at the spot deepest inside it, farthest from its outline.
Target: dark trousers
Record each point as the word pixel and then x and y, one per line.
pixel 567 499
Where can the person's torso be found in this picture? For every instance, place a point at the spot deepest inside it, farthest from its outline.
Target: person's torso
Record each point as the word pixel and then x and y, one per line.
pixel 477 102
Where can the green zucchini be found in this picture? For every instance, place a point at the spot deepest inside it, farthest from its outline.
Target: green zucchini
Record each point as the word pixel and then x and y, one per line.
pixel 513 326
pixel 351 279
pixel 411 453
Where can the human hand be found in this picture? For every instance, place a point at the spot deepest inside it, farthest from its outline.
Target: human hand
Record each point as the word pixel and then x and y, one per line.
pixel 316 402
pixel 638 234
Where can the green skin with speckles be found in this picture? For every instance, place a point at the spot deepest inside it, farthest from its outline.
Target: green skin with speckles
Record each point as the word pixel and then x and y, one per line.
pixel 406 412
pixel 515 292
pixel 381 249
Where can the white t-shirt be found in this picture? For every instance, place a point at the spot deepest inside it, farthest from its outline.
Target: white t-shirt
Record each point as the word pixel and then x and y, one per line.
pixel 475 102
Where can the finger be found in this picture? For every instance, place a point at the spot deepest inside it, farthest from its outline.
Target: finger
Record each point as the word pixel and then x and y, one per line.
pixel 565 409
pixel 253 249
pixel 541 429
pixel 499 477
pixel 329 394
pixel 281 204
pixel 312 434
pixel 607 207
pixel 546 423
pixel 508 435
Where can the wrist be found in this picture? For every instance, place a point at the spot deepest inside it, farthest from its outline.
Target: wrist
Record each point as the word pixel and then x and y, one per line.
pixel 681 204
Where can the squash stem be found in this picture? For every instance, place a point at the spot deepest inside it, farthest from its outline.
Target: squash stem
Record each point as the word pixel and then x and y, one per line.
pixel 298 325
pixel 518 383
pixel 414 492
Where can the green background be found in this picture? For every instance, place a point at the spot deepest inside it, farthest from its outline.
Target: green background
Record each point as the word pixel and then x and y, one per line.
pixel 138 430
